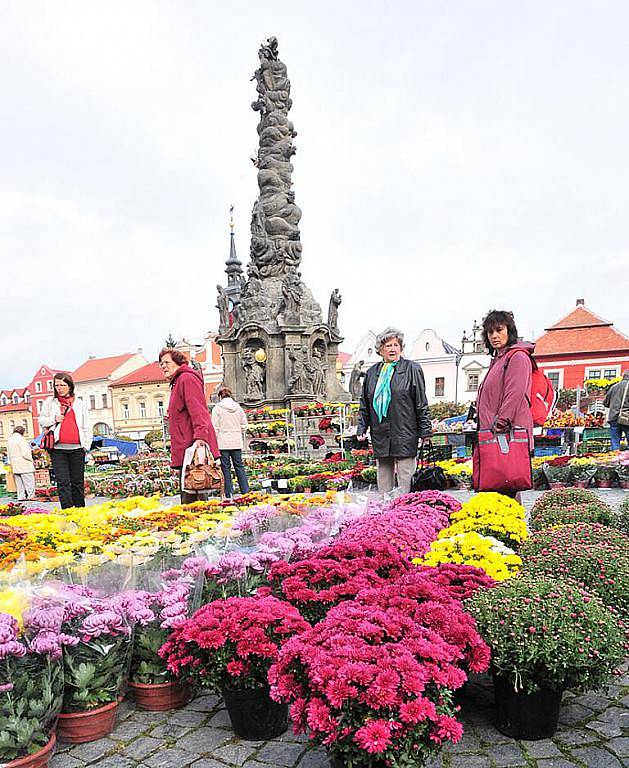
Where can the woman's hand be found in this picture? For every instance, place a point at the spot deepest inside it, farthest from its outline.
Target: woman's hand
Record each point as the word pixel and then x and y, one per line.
pixel 58 419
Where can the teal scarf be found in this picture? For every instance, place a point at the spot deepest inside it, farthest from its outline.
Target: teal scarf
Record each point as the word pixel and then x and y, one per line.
pixel 382 395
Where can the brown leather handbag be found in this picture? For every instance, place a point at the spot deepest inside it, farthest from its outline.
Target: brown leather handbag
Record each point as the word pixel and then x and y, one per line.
pixel 203 473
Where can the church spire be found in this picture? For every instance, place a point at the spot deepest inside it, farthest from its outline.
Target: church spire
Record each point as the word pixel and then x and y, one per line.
pixel 233 266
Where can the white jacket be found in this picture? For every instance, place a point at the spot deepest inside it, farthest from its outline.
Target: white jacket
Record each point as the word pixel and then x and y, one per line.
pixel 229 422
pixel 51 409
pixel 20 456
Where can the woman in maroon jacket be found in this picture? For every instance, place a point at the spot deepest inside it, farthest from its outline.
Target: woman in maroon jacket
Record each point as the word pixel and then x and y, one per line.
pixel 189 421
pixel 503 398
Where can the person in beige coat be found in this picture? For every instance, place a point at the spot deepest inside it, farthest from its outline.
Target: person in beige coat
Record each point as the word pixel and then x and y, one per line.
pixel 21 461
pixel 230 423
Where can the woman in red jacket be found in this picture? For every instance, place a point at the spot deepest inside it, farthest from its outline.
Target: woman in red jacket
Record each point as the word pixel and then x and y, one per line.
pixel 189 421
pixel 503 398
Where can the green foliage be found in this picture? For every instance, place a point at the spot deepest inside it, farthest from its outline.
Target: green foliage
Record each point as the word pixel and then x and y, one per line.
pixel 369 475
pixel 28 712
pixel 153 436
pixel 588 553
pixel 442 411
pixel 569 505
pixel 620 517
pixel 146 665
pixel 547 633
pixel 95 672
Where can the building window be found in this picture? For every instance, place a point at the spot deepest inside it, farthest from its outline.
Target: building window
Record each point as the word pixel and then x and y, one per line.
pixel 27 397
pixel 105 400
pixel 554 379
pixel 160 407
pixel 1 428
pixel 25 425
pixel 38 388
pixel 125 410
pixel 440 386
pixel 594 373
pixel 427 346
pixel 142 409
pixel 12 425
pixel 3 400
pixel 49 385
pixel 39 406
pixel 610 373
pixel 16 399
pixel 479 346
pixel 472 382
pixel 92 402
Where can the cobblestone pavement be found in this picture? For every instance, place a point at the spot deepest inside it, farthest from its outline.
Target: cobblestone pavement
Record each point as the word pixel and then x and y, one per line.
pixel 593 733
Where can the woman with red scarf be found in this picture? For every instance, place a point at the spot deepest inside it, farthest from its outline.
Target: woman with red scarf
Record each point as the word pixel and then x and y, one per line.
pixel 64 415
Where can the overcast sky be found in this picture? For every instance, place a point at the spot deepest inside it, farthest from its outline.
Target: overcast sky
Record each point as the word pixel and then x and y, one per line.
pixel 451 157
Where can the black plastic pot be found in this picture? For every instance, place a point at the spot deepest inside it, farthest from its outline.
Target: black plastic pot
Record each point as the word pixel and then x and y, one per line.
pixel 254 715
pixel 337 762
pixel 528 716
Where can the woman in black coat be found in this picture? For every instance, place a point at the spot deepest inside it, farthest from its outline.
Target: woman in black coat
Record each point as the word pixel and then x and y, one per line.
pixel 394 408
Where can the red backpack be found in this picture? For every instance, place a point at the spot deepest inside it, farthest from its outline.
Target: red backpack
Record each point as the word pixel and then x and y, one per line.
pixel 542 397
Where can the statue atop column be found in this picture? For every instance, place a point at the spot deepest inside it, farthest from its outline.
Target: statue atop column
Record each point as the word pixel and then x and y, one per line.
pixel 275 244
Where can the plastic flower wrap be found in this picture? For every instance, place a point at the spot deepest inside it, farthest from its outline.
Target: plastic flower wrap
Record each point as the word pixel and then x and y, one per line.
pixel 490 514
pixel 98 615
pixel 31 670
pixel 372 685
pixel 485 552
pixel 169 592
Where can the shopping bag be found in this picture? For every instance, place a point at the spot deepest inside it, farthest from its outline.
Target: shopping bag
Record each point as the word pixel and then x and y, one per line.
pixel 428 476
pixel 502 461
pixel 200 471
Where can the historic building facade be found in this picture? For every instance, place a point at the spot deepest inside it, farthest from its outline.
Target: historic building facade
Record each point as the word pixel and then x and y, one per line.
pixel 581 346
pixel 140 401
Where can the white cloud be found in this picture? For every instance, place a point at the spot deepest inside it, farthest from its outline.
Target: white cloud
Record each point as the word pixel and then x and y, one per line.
pixel 451 158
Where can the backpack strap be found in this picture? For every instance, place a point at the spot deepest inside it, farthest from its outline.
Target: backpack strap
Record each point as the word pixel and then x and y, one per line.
pixel 511 353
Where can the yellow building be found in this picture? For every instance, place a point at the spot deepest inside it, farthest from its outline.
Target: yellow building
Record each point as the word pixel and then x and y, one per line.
pixel 139 401
pixel 15 415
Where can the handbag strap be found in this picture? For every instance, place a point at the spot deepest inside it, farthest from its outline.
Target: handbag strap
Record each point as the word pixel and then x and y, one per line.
pixel 427 455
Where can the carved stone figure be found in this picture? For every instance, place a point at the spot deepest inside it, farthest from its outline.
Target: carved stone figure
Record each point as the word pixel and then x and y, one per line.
pixel 255 375
pixel 355 380
pixel 300 379
pixel 319 372
pixel 333 311
pixel 291 297
pixel 222 304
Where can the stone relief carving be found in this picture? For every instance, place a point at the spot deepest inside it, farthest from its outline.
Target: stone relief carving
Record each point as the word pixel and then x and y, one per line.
pixel 255 372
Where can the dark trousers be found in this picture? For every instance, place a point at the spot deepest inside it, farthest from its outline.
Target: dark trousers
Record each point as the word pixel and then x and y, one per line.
pixel 235 457
pixel 69 469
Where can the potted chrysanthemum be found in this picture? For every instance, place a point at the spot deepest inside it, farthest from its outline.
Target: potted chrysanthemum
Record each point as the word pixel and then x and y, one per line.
pixel 546 636
pixel 31 680
pixel 228 646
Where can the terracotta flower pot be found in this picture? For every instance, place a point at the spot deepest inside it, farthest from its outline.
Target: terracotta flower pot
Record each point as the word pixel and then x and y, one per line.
pixel 157 697
pixel 557 485
pixel 581 483
pixel 37 760
pixel 79 727
pixel 624 484
pixel 603 483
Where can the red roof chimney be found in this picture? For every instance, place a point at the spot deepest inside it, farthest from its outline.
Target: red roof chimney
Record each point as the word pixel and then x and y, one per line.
pixel 580 302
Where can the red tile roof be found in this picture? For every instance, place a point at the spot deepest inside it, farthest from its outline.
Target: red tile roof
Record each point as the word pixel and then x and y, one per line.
pixel 580 317
pixel 147 374
pixel 15 407
pixel 343 357
pixel 100 367
pixel 581 331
